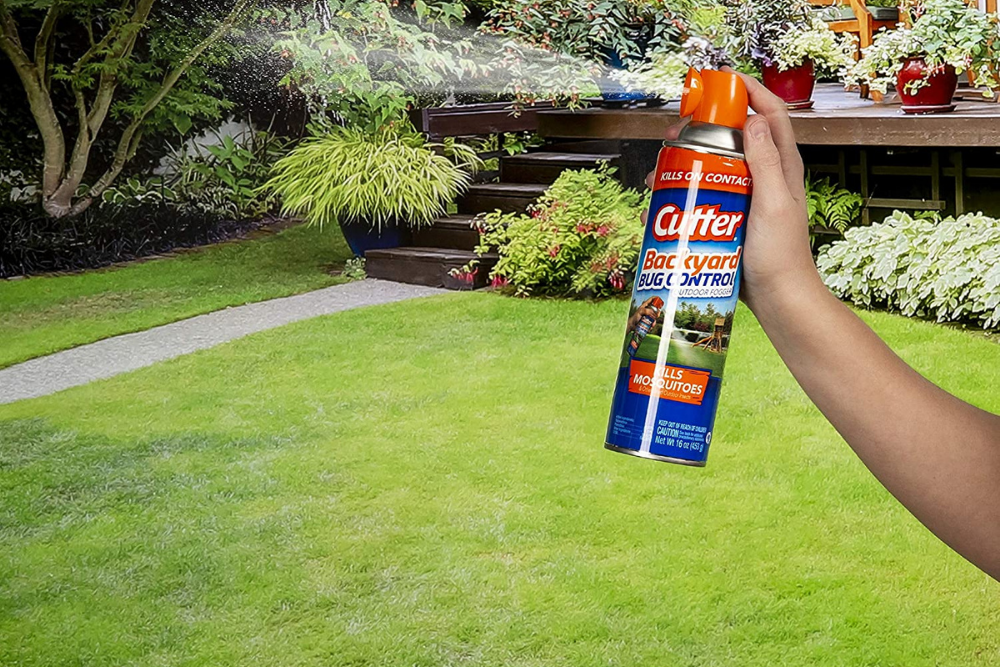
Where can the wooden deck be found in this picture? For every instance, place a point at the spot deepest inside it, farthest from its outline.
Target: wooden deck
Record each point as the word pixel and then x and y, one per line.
pixel 838 118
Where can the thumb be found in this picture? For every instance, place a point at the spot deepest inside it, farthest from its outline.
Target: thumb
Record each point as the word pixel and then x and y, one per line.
pixel 764 161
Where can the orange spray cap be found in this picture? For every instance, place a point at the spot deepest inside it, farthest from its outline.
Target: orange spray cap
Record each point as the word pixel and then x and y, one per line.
pixel 711 96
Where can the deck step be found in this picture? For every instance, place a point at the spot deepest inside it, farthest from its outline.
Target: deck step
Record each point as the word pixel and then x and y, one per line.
pixel 585 145
pixel 427 266
pixel 450 231
pixel 507 197
pixel 545 166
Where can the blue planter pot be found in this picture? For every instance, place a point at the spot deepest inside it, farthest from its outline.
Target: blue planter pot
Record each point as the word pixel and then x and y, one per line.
pixel 362 236
pixel 611 89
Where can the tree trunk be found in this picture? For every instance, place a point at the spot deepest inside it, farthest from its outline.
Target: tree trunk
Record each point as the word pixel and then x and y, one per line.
pixel 61 181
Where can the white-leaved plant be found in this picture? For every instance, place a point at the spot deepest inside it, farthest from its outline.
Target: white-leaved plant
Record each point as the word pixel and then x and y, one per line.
pixel 946 269
pixel 831 53
pixel 881 62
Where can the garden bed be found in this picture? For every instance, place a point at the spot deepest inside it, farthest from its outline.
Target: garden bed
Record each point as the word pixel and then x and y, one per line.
pixel 33 243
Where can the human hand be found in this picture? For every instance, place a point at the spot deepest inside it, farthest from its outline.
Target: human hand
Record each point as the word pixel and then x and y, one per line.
pixel 777 254
pixel 645 309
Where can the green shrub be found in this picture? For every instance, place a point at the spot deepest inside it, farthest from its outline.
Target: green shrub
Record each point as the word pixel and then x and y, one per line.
pixel 581 239
pixel 222 180
pixel 352 176
pixel 946 269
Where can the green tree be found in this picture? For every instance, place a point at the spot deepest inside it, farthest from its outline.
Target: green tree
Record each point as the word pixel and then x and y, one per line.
pixel 123 67
pixel 687 315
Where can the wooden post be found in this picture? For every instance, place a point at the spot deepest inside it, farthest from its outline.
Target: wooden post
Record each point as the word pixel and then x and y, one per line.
pixel 866 215
pixel 936 175
pixel 956 160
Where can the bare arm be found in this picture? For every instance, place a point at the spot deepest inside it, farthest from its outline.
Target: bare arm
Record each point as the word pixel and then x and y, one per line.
pixel 938 455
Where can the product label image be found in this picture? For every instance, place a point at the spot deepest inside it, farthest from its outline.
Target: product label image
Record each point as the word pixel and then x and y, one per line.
pixel 681 313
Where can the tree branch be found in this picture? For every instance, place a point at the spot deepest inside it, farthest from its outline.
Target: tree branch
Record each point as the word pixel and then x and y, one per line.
pixel 111 34
pixel 89 27
pixel 38 100
pixel 81 149
pixel 129 139
pixel 109 77
pixel 43 43
pixel 10 42
pixel 122 38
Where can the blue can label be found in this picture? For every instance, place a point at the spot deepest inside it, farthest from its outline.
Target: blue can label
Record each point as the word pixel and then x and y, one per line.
pixel 681 313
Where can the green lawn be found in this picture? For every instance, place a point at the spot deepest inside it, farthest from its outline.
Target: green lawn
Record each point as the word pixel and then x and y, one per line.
pixel 46 314
pixel 425 484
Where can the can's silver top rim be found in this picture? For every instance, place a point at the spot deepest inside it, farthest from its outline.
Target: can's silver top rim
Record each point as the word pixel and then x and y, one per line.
pixel 709 138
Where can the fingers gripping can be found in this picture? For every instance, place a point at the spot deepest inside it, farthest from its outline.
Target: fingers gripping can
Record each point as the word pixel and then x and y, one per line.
pixel 687 282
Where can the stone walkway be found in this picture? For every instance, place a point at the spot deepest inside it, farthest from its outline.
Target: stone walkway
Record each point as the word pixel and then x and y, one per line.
pixel 121 354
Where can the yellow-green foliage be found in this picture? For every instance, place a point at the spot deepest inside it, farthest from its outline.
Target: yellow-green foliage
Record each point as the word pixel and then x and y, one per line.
pixel 351 176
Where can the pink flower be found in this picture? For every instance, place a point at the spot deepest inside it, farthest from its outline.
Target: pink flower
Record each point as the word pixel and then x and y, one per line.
pixel 603 230
pixel 554 250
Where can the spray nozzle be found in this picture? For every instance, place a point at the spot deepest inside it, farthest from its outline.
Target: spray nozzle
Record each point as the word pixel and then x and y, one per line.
pixel 711 96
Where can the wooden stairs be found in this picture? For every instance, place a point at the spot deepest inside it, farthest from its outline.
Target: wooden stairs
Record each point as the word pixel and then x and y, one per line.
pixel 448 243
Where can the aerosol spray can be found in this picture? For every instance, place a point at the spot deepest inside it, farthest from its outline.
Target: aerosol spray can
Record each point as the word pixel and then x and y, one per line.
pixel 646 322
pixel 687 283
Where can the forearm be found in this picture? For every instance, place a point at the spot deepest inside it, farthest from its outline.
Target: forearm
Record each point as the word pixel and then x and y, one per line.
pixel 939 456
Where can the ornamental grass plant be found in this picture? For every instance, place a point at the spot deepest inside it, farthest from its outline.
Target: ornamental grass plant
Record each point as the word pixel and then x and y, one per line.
pixel 347 175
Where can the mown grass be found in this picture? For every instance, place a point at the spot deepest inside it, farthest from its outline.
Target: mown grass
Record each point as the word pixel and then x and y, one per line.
pixel 425 484
pixel 42 315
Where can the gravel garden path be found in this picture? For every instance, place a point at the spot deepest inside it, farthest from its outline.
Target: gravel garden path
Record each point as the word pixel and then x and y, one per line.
pixel 121 354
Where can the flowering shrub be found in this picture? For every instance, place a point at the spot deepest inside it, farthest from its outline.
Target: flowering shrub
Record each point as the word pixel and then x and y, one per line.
pixel 831 53
pixel 553 49
pixel 947 269
pixel 588 29
pixel 581 239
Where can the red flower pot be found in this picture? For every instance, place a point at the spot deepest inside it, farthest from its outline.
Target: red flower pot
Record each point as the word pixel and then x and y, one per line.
pixel 937 87
pixel 794 86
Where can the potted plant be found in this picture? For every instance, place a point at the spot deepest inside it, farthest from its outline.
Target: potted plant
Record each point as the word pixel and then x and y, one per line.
pixel 663 71
pixel 799 56
pixel 610 34
pixel 789 44
pixel 922 63
pixel 661 75
pixel 376 186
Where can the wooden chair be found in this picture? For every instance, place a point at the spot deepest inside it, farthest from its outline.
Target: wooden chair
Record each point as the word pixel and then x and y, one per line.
pixel 863 24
